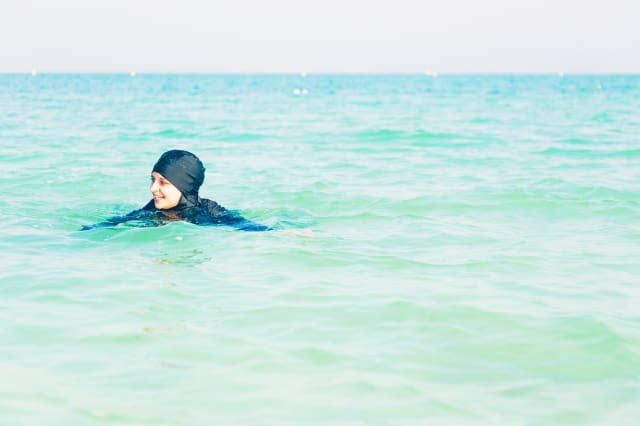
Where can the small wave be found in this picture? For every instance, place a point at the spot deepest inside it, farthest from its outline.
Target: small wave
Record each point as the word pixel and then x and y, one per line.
pixel 418 136
pixel 175 134
pixel 315 355
pixel 577 141
pixel 589 153
pixel 241 137
pixel 603 117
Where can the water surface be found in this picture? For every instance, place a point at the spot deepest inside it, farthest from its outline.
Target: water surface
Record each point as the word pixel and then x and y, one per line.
pixel 474 256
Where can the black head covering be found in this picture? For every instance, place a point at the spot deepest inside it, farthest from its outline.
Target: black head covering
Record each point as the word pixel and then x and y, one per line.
pixel 184 170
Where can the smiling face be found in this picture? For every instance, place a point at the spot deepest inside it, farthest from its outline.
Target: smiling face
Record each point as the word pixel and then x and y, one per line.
pixel 165 195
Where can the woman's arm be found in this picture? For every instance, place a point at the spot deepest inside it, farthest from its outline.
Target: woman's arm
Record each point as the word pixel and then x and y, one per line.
pixel 220 215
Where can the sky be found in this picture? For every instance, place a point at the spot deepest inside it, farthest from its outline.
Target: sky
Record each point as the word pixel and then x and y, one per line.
pixel 587 36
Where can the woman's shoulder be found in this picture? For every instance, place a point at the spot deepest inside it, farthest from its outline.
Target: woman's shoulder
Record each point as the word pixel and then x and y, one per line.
pixel 212 207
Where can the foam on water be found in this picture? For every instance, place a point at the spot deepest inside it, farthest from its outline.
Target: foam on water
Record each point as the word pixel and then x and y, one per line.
pixel 473 257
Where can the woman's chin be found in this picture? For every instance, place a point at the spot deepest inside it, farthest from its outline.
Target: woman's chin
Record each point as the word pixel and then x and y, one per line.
pixel 163 204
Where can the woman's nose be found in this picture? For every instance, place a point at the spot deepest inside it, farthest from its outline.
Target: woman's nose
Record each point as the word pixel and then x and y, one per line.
pixel 154 187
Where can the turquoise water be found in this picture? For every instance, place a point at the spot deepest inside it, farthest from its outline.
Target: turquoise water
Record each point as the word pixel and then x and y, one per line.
pixel 473 256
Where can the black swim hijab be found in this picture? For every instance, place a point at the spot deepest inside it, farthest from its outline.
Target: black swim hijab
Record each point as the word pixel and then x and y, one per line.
pixel 184 170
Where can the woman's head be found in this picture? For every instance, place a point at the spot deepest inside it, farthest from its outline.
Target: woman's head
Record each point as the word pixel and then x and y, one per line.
pixel 176 176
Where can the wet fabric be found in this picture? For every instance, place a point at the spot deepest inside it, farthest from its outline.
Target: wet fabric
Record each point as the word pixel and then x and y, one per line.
pixel 202 212
pixel 184 170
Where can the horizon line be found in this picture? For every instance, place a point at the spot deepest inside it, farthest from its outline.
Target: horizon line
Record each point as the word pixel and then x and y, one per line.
pixel 302 73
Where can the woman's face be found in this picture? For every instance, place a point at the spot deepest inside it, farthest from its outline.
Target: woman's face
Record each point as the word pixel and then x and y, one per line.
pixel 165 195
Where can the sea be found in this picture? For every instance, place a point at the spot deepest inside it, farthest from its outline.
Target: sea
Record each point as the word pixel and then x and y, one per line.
pixel 446 250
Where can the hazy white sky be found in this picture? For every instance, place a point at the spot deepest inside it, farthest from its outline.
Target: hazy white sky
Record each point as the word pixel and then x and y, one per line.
pixel 320 35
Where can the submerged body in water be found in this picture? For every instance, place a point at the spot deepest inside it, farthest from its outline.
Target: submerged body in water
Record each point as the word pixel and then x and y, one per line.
pixel 175 181
pixel 203 212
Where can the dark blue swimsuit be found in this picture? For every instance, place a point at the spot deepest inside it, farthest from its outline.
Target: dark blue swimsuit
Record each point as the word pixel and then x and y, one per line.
pixel 203 212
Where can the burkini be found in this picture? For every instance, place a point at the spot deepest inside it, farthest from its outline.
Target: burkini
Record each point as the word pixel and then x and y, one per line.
pixel 186 172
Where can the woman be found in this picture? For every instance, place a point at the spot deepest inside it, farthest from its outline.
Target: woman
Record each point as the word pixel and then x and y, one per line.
pixel 175 181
